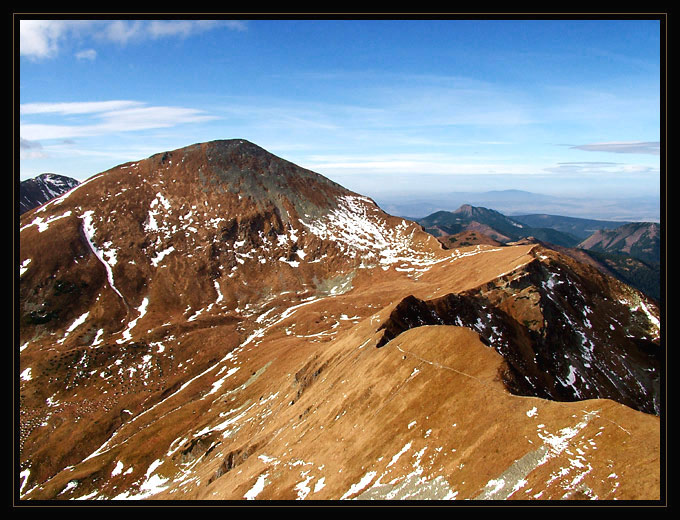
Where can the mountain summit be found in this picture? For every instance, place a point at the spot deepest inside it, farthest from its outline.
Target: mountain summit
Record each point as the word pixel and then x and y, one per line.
pixel 223 221
pixel 40 189
pixel 215 322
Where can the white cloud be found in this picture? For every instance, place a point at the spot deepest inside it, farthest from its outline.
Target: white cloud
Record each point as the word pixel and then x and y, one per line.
pixel 124 31
pixel 42 39
pixel 86 107
pixel 105 117
pixel 600 168
pixel 638 147
pixel 414 165
pixel 87 54
pixel 184 28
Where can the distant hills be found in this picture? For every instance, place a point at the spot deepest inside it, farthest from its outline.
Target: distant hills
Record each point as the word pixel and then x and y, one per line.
pixel 640 240
pixel 491 223
pixel 629 251
pixel 519 202
pixel 578 227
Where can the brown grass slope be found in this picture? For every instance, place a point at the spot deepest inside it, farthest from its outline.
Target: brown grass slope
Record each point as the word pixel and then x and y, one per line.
pixel 243 361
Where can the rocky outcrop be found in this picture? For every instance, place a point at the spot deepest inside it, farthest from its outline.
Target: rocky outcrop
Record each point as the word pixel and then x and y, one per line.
pixel 547 303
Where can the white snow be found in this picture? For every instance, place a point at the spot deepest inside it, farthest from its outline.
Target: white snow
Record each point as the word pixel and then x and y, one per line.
pixel 218 384
pixel 42 224
pixel 571 376
pixel 153 484
pixel 24 266
pixel 89 231
pixel 118 469
pixel 59 200
pixel 159 257
pixel 651 317
pixel 360 231
pixel 71 485
pixel 292 263
pixel 219 293
pixel 320 484
pixel 98 338
pixel 355 488
pixel 406 447
pixel 142 311
pixel 252 493
pixel 74 325
pixel 24 475
pixel 26 374
pixel 302 487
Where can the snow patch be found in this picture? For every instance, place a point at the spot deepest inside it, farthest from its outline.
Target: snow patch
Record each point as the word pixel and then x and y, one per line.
pixel 257 488
pixel 89 231
pixel 355 488
pixel 24 266
pixel 142 311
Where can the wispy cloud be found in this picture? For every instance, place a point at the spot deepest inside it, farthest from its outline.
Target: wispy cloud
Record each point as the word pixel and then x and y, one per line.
pixel 30 149
pixel 597 168
pixel 415 164
pixel 123 31
pixel 105 117
pixel 637 147
pixel 87 54
pixel 85 107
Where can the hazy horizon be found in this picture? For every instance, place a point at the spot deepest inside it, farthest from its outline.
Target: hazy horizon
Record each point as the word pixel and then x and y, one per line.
pixel 565 108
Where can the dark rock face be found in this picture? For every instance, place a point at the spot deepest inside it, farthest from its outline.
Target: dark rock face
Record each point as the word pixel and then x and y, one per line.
pixel 245 169
pixel 542 321
pixel 35 192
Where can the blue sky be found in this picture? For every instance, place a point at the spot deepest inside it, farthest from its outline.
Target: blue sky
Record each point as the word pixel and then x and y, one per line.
pixel 381 106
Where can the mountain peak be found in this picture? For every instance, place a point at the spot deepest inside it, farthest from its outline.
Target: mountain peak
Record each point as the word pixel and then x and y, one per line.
pixel 465 209
pixel 46 186
pixel 469 211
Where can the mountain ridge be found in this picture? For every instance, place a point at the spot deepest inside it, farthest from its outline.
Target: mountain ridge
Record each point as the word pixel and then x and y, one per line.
pixel 578 227
pixel 492 223
pixel 641 240
pixel 417 205
pixel 204 324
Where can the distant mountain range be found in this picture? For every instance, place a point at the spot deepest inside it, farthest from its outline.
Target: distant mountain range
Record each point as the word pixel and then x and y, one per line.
pixel 628 251
pixel 491 223
pixel 578 227
pixel 38 190
pixel 519 202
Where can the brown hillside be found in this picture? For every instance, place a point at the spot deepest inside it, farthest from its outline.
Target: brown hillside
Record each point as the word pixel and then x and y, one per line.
pixel 216 323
